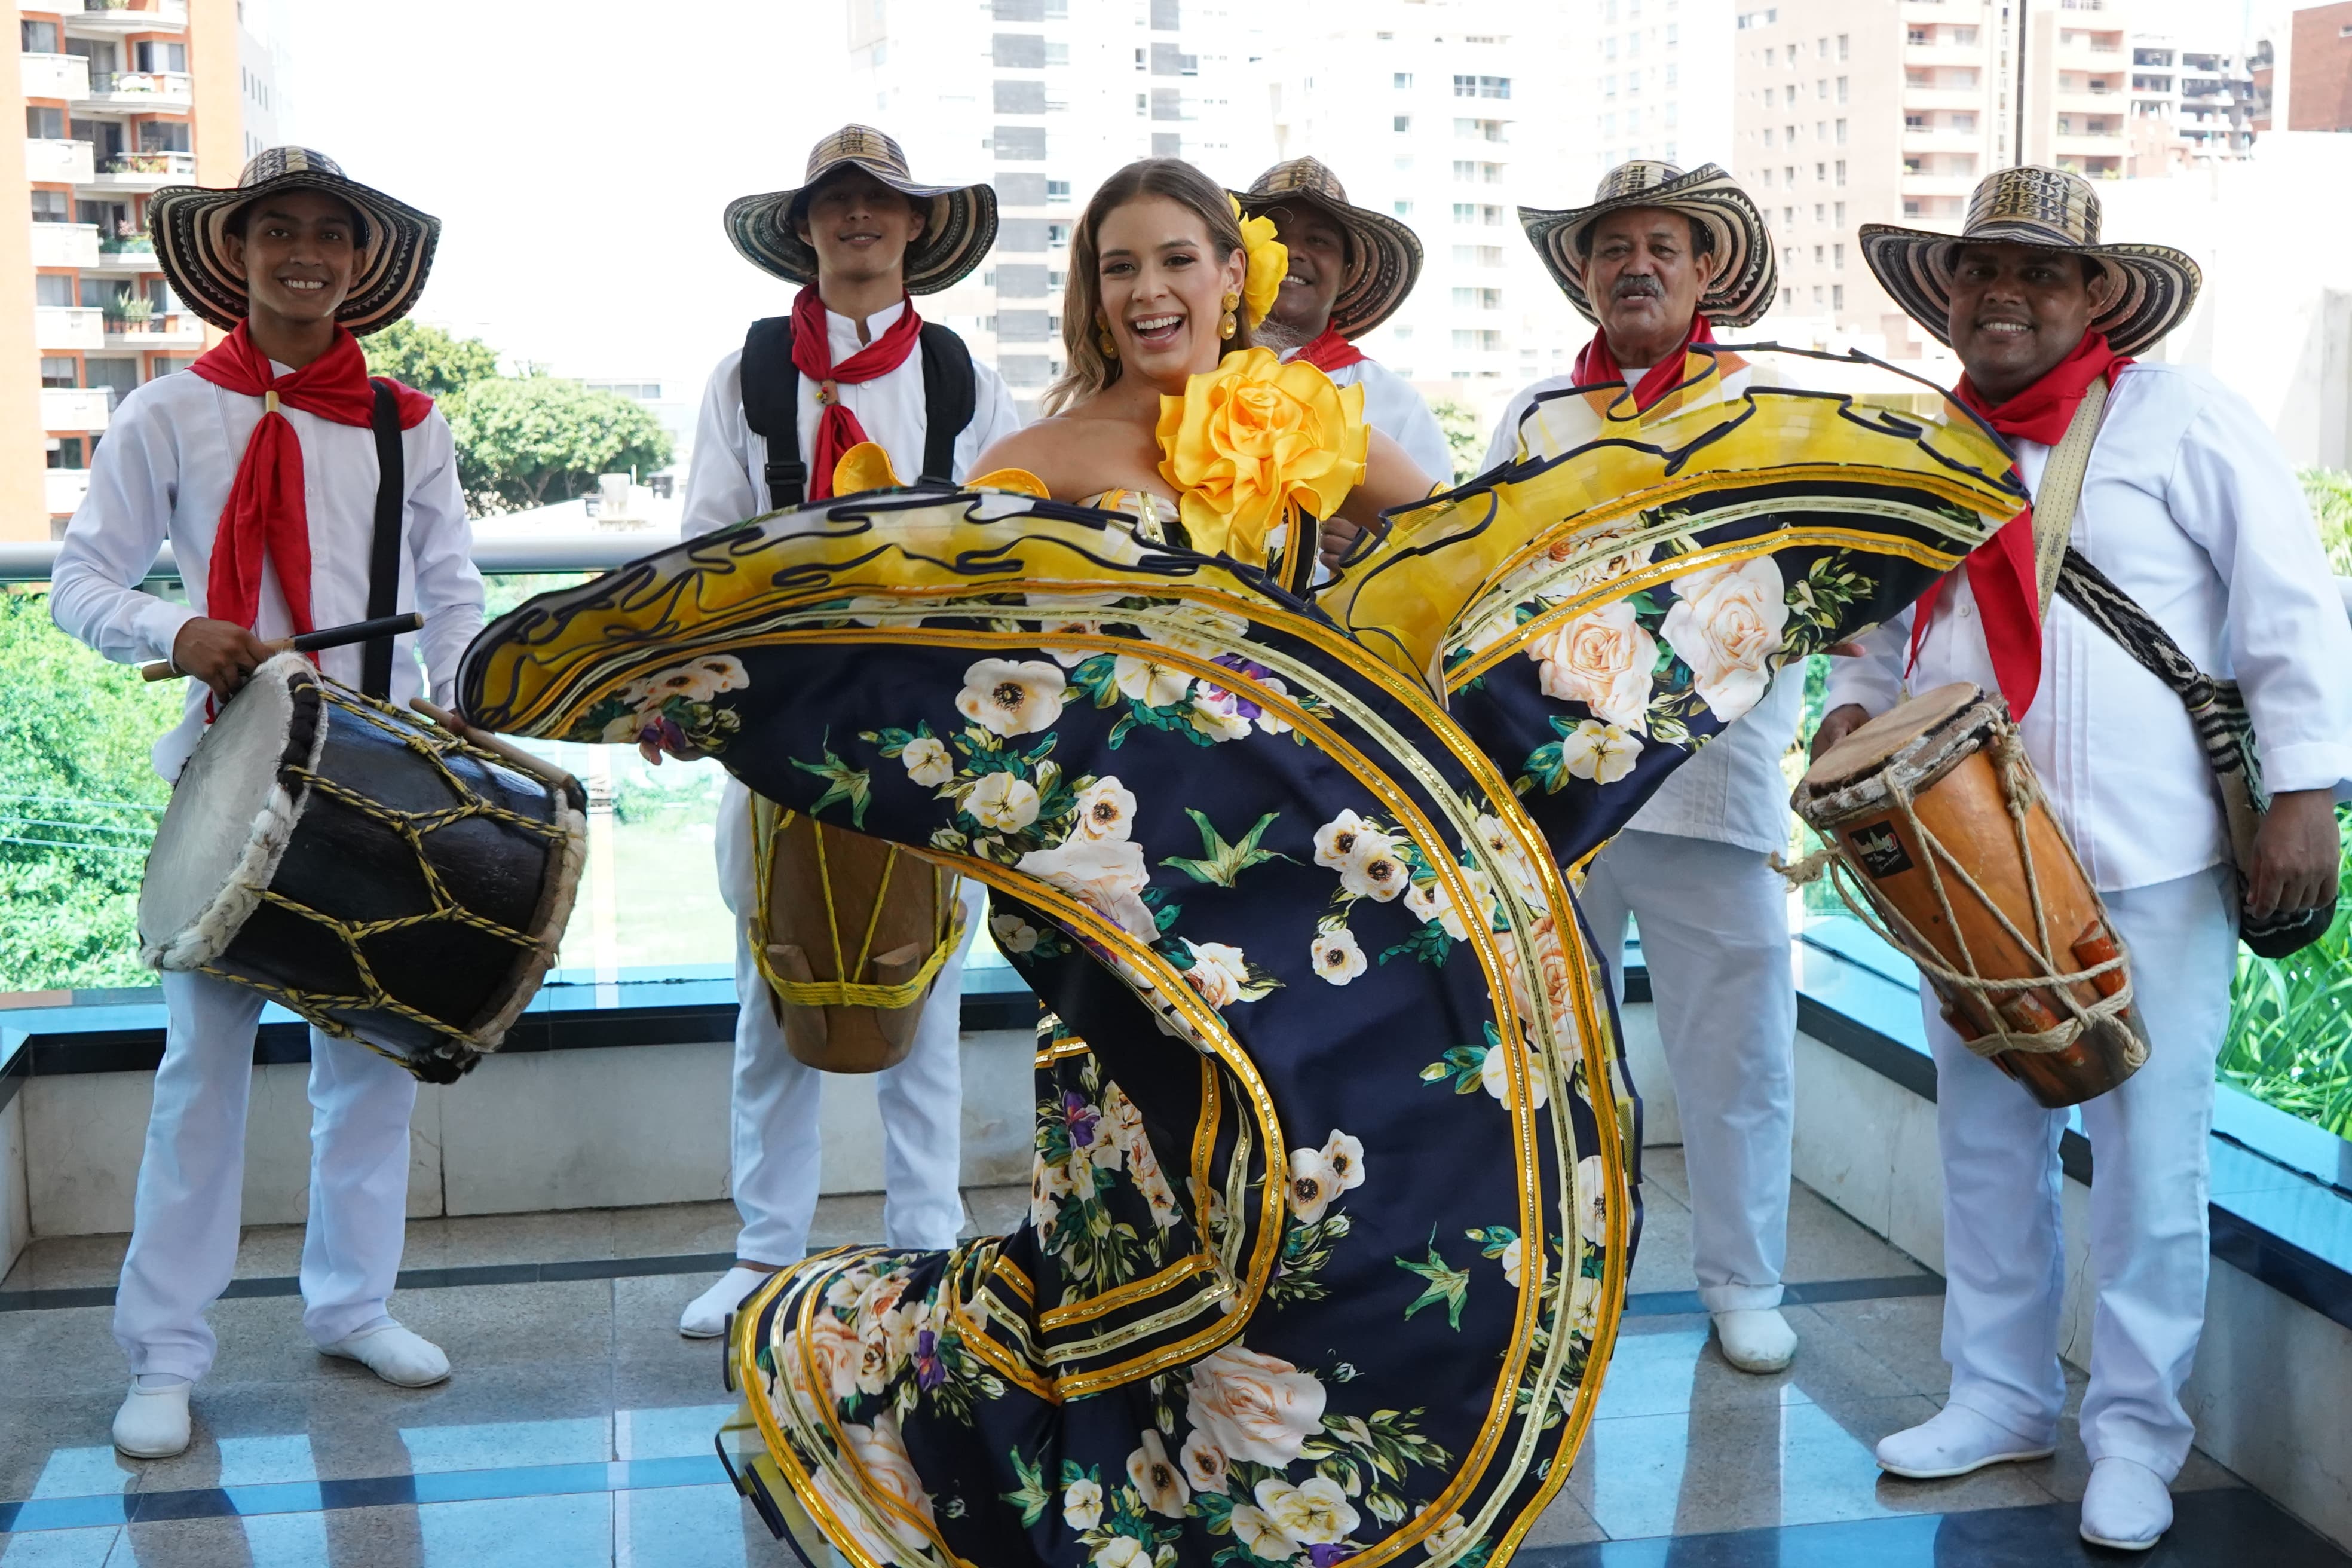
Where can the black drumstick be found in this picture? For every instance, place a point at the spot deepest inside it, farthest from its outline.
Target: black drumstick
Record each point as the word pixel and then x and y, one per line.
pixel 311 642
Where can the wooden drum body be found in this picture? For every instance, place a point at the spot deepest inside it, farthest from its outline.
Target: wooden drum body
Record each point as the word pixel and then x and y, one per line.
pixel 850 934
pixel 1935 812
pixel 370 871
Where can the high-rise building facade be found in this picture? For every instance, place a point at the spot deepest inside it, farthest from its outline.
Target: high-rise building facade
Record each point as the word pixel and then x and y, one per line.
pixel 1044 99
pixel 1655 76
pixel 2189 105
pixel 120 98
pixel 2319 68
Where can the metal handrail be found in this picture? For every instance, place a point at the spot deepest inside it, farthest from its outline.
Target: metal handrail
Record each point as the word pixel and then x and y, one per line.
pixel 34 561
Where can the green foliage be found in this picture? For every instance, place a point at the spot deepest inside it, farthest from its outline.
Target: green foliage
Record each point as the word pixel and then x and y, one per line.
pixel 1459 421
pixel 2330 493
pixel 2290 1039
pixel 78 802
pixel 428 358
pixel 539 440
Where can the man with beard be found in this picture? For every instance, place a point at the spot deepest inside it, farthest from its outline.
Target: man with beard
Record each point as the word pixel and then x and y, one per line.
pixel 852 363
pixel 2176 494
pixel 1655 255
pixel 1350 267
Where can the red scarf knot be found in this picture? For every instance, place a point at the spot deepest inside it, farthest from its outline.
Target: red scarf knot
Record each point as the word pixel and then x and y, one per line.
pixel 837 429
pixel 2003 573
pixel 266 516
pixel 1328 352
pixel 1596 366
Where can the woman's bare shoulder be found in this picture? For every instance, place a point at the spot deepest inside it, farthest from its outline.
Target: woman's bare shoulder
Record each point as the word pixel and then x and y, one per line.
pixel 1078 452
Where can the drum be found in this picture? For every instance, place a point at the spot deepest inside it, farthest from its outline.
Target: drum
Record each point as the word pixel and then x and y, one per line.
pixel 1936 817
pixel 370 871
pixel 849 934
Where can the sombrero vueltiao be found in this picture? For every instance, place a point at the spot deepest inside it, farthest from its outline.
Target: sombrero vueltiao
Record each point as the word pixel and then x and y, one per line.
pixel 957 233
pixel 190 222
pixel 2151 287
pixel 1745 278
pixel 1384 255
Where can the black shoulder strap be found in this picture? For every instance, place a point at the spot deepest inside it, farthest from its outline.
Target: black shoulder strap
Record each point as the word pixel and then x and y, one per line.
pixel 772 407
pixel 950 393
pixel 383 558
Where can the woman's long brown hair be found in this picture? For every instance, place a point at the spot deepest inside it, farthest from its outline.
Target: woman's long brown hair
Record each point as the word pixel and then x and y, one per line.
pixel 1091 370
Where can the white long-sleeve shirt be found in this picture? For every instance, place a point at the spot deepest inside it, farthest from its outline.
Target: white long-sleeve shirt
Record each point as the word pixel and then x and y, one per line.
pixel 1394 409
pixel 1732 791
pixel 163 472
pixel 727 481
pixel 2190 508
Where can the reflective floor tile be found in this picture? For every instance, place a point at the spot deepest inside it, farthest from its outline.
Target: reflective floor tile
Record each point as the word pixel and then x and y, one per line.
pixel 547 1237
pixel 1564 1522
pixel 1662 1166
pixel 505 1325
pixel 67 1262
pixel 674 1230
pixel 1662 1261
pixel 1826 1243
pixel 1661 1366
pixel 994 1211
pixel 674 1433
pixel 58 1548
pixel 691 1527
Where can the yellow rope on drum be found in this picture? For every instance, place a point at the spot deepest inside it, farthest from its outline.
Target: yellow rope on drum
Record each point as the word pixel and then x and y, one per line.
pixel 841 991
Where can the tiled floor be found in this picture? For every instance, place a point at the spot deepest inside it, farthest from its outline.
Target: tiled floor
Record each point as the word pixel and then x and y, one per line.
pixel 578 1429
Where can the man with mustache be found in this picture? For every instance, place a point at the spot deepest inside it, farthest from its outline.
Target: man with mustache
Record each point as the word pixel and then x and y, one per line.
pixel 1350 267
pixel 1656 255
pixel 852 363
pixel 2187 506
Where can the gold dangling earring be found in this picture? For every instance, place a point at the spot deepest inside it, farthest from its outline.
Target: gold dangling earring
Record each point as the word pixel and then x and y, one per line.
pixel 1228 324
pixel 1103 340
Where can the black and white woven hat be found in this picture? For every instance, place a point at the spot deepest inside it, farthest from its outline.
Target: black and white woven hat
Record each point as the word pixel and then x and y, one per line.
pixel 2150 287
pixel 957 233
pixel 1383 256
pixel 190 222
pixel 1746 276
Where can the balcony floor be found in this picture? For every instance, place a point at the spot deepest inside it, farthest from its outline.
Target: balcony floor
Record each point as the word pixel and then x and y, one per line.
pixel 578 1427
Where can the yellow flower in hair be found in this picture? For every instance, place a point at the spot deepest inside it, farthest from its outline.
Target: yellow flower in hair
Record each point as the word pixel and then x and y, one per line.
pixel 1254 441
pixel 1269 263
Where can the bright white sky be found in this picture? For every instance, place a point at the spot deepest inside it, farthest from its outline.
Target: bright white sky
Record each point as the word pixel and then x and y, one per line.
pixel 578 158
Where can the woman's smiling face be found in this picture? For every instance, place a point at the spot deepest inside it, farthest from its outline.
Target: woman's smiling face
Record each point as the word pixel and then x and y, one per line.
pixel 1163 289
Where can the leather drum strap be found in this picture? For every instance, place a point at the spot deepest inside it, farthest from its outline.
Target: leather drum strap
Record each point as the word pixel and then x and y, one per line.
pixel 2061 487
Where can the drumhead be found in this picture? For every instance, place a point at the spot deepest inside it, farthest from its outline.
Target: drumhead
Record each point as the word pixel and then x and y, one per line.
pixel 1865 748
pixel 229 819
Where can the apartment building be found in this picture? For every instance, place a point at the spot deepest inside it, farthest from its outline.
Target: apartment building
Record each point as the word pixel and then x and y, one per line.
pixel 120 98
pixel 2189 105
pixel 2319 68
pixel 1045 98
pixel 1854 111
pixel 1656 75
pixel 1449 115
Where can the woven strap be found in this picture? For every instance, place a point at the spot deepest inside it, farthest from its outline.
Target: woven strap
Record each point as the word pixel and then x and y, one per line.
pixel 2061 488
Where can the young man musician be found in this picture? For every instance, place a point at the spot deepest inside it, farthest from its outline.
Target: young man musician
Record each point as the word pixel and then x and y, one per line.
pixel 852 363
pixel 261 469
pixel 1350 267
pixel 1657 256
pixel 2188 507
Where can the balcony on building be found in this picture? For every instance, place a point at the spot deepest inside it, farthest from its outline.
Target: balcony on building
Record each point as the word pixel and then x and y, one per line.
pixel 64 490
pixel 65 245
pixel 67 329
pixel 137 92
pixel 140 171
pixel 75 410
pixel 121 16
pixel 125 255
pixel 157 330
pixel 56 161
pixel 56 76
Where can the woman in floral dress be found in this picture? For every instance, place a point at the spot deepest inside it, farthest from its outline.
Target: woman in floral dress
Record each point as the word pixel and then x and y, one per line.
pixel 1333 1196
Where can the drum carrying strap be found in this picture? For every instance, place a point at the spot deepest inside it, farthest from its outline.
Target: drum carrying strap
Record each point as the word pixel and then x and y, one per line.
pixel 2061 487
pixel 383 555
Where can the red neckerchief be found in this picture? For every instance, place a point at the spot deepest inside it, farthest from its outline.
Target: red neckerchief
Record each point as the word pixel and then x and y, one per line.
pixel 1596 367
pixel 1329 352
pixel 265 514
pixel 837 429
pixel 2002 570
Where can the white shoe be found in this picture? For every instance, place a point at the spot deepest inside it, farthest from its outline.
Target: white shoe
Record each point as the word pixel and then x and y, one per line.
pixel 400 1358
pixel 2127 1506
pixel 1953 1442
pixel 1756 1339
pixel 154 1422
pixel 705 1317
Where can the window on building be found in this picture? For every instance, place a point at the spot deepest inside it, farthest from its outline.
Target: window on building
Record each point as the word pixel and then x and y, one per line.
pixel 44 123
pixel 1841 162
pixel 1482 86
pixel 1142 103
pixel 1400 123
pixel 1672 36
pixel 155 55
pixel 1402 80
pixel 1768 136
pixel 1465 212
pixel 1465 170
pixel 39 37
pixel 1788 297
pixel 1817 294
pixel 1057 190
pixel 1840 210
pixel 1922 36
pixel 1837 257
pixel 1466 297
pixel 1821 254
pixel 60 370
pixel 52 207
pixel 63 452
pixel 1841 142
pixel 1021 144
pixel 1768 179
pixel 1914 123
pixel 53 289
pixel 1841 45
pixel 1789 220
pixel 1058 234
pixel 1821 174
pixel 1820 48
pixel 1821 211
pixel 1670 79
pixel 1403 209
pixel 1837 295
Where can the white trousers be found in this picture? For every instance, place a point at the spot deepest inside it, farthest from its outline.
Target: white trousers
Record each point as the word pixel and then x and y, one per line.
pixel 1715 937
pixel 183 1231
pixel 777 1148
pixel 2004 1256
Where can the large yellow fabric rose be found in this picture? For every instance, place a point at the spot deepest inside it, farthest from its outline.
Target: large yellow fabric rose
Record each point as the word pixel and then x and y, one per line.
pixel 1254 440
pixel 1269 263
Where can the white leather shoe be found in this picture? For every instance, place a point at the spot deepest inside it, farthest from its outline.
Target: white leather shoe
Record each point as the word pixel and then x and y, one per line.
pixel 2126 1507
pixel 154 1422
pixel 1755 1340
pixel 400 1358
pixel 705 1317
pixel 1953 1442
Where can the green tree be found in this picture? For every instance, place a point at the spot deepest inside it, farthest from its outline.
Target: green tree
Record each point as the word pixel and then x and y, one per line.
pixel 429 359
pixel 78 802
pixel 538 440
pixel 2330 493
pixel 1459 421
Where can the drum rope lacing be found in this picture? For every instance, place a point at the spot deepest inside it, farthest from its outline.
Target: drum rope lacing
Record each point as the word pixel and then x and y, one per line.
pixel 410 826
pixel 842 991
pixel 1881 918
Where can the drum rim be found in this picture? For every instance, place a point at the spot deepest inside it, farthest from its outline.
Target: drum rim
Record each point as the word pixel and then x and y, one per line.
pixel 1923 761
pixel 557 892
pixel 215 927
